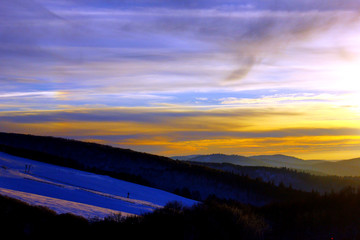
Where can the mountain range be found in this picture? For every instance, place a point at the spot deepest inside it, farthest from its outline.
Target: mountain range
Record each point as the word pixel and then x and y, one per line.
pixel 349 167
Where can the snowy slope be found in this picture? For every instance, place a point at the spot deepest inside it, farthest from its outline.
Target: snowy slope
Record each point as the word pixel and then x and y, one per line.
pixel 61 206
pixel 68 190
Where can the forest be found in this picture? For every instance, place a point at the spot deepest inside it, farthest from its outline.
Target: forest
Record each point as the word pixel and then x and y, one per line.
pixel 294 178
pixel 331 216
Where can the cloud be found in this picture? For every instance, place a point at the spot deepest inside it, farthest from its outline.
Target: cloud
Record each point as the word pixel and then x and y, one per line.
pixel 223 4
pixel 182 129
pixel 170 75
pixel 57 37
pixel 181 124
pixel 151 115
pixel 28 94
pixel 281 99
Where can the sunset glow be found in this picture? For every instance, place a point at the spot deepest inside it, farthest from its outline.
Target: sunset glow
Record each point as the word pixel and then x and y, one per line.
pixel 179 78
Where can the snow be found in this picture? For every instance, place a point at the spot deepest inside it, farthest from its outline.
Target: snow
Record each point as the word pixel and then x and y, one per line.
pixel 86 194
pixel 61 206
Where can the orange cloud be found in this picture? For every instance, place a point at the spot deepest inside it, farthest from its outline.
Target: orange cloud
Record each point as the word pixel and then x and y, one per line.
pixel 328 133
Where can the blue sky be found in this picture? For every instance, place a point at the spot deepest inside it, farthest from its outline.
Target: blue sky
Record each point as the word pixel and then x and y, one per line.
pixel 269 65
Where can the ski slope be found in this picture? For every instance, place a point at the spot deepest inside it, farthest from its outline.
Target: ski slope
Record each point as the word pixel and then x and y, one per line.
pixel 82 193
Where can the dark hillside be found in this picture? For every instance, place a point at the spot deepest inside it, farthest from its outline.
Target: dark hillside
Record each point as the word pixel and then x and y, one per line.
pixel 19 220
pixel 164 173
pixel 333 216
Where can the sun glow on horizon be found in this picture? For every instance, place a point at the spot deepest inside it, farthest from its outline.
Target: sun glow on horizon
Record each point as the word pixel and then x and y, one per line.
pixel 185 79
pixel 348 80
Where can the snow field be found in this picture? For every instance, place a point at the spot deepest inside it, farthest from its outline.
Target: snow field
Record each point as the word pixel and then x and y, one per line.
pixel 68 190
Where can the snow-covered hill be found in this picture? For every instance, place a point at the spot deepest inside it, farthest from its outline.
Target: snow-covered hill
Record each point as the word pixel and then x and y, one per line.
pixel 68 190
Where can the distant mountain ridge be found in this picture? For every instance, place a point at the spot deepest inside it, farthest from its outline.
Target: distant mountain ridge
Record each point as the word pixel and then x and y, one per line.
pixel 278 158
pixel 350 167
pixel 222 158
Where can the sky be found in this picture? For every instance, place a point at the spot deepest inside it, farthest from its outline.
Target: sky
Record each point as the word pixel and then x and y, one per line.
pixel 181 77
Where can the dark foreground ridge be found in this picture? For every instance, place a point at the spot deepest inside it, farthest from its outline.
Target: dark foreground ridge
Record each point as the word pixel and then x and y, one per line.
pixel 193 181
pixel 333 216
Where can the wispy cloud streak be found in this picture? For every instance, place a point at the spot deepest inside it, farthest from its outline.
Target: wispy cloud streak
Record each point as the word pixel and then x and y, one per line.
pixel 173 76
